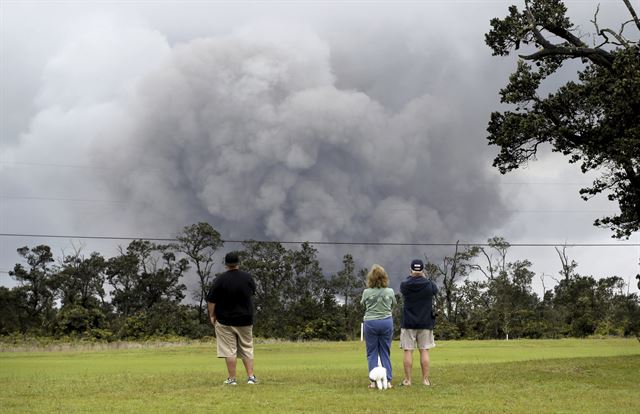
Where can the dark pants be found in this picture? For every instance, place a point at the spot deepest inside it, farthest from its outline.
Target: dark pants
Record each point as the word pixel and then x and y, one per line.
pixel 378 334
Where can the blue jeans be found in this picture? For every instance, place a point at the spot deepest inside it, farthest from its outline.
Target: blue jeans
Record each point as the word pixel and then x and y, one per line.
pixel 377 335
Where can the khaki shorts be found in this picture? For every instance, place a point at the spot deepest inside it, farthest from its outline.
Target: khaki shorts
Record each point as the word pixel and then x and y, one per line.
pixel 234 341
pixel 409 338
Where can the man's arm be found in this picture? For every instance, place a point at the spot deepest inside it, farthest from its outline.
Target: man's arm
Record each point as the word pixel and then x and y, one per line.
pixel 212 314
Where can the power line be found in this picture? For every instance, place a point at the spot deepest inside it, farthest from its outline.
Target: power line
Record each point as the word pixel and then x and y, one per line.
pixel 59 199
pixel 544 183
pixel 60 236
pixel 76 166
pixel 337 243
pixel 32 198
pixel 97 167
pixel 43 164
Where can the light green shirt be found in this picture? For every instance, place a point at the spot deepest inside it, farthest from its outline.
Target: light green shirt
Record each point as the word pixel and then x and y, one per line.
pixel 377 303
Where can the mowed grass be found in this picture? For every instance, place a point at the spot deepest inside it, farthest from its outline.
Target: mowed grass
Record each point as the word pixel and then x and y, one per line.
pixel 518 376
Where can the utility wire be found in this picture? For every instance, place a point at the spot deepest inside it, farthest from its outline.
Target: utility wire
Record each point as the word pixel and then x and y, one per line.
pixel 3 197
pixel 337 243
pixel 31 198
pixel 96 167
pixel 77 166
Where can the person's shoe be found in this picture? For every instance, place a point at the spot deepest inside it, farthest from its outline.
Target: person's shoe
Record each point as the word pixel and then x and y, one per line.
pixel 405 383
pixel 252 380
pixel 426 383
pixel 230 381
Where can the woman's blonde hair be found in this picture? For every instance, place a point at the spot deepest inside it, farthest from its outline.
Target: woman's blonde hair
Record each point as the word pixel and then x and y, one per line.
pixel 377 277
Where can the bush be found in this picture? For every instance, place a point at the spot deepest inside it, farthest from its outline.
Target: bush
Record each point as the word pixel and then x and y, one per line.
pixel 445 330
pixel 100 334
pixel 77 319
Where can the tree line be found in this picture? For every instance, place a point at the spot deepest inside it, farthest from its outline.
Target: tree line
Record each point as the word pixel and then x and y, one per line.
pixel 140 293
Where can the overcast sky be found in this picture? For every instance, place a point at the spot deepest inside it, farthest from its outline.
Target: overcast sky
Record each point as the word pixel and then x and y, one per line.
pixel 322 121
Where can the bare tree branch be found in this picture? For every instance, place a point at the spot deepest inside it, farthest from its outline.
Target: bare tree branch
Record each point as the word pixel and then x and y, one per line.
pixel 536 33
pixel 544 289
pixel 603 32
pixel 488 276
pixel 566 35
pixel 597 56
pixel 595 22
pixel 632 12
pixel 580 49
pixel 622 30
pixel 567 267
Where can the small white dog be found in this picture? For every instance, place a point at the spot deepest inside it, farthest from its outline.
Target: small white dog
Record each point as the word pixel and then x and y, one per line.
pixel 379 376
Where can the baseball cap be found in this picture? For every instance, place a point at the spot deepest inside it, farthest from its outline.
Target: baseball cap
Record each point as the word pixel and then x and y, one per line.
pixel 231 258
pixel 417 265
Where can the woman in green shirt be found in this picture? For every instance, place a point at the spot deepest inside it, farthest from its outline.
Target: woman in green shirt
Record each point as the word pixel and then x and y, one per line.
pixel 378 300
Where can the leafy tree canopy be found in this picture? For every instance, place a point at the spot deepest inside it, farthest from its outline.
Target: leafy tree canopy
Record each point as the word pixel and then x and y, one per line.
pixel 594 119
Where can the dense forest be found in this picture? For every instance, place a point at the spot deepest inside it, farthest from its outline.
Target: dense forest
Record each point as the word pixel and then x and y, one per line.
pixel 140 294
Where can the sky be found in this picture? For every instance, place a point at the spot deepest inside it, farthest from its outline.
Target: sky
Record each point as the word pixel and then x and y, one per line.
pixel 320 121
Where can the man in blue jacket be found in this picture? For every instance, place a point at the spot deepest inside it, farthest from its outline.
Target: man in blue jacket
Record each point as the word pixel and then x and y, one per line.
pixel 417 320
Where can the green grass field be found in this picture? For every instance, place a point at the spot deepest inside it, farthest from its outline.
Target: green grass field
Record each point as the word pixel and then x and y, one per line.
pixel 519 376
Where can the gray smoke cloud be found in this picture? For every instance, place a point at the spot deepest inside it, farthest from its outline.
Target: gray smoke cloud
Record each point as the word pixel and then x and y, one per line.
pixel 342 122
pixel 268 131
pixel 251 132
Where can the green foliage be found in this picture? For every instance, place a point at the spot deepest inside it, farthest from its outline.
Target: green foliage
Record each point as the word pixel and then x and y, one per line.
pixel 593 120
pixel 73 319
pixel 80 281
pixel 199 242
pixel 270 265
pixel 13 310
pixel 453 268
pixel 100 334
pixel 504 305
pixel 36 286
pixel 294 300
pixel 164 319
pixel 511 301
pixel 446 330
pixel 348 286
pixel 145 275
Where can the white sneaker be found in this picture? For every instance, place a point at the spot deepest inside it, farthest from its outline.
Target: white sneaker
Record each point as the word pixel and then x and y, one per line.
pixel 252 380
pixel 230 381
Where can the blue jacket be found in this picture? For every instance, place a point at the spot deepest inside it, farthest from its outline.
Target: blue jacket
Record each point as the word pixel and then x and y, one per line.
pixel 418 293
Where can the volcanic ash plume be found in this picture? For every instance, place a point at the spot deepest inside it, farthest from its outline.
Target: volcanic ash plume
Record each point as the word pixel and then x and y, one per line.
pixel 250 133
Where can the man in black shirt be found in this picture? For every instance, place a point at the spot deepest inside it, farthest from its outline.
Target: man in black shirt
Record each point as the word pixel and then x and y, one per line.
pixel 230 304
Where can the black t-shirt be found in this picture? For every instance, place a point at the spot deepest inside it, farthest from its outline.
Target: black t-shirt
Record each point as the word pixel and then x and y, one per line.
pixel 232 292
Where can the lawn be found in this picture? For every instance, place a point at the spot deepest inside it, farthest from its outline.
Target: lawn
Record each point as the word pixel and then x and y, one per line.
pixel 518 376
